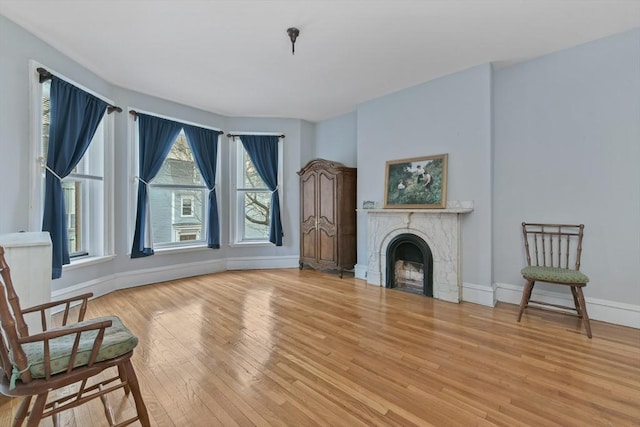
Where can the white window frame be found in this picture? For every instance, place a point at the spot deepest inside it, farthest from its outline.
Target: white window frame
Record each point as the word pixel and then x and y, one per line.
pixel 201 242
pixel 100 233
pixel 236 204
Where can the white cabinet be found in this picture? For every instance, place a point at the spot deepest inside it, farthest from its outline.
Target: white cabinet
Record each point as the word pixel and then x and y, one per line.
pixel 29 258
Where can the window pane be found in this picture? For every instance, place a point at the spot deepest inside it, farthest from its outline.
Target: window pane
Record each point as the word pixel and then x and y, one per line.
pixel 46 116
pixel 72 192
pixel 168 225
pixel 179 168
pixel 256 215
pixel 251 179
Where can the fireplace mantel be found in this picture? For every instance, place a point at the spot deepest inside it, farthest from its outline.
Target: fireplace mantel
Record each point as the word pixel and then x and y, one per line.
pixel 419 211
pixel 440 228
pixel 453 207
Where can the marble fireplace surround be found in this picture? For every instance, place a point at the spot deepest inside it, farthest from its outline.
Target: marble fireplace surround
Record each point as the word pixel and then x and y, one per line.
pixel 439 228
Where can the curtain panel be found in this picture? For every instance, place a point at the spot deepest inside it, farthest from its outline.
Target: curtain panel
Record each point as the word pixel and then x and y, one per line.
pixel 263 151
pixel 156 136
pixel 75 117
pixel 204 145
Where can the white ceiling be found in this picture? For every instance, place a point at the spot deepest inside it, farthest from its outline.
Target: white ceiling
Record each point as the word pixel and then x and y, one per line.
pixel 234 57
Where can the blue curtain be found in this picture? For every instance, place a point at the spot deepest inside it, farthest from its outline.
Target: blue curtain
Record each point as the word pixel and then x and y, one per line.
pixel 204 144
pixel 75 116
pixel 156 136
pixel 263 151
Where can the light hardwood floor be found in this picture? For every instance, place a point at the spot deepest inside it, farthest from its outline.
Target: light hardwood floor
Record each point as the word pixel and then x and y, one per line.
pixel 302 348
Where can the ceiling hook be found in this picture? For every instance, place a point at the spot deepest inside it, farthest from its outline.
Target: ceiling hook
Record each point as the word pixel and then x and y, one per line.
pixel 293 35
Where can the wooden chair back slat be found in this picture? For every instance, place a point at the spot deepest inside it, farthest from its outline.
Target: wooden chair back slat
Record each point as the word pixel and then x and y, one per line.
pixel 10 324
pixel 4 355
pixel 553 245
pixel 12 298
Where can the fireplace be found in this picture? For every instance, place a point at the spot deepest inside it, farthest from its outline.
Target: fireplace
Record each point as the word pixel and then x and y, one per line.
pixel 436 233
pixel 410 265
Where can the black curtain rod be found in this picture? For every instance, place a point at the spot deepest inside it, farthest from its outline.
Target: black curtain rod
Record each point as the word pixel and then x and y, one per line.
pixel 134 113
pixel 230 135
pixel 45 75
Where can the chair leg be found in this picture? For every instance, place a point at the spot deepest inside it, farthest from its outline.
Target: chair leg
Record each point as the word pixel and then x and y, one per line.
pixel 135 391
pixel 108 411
pixel 37 410
pixel 123 378
pixel 526 295
pixel 21 414
pixel 583 308
pixel 574 292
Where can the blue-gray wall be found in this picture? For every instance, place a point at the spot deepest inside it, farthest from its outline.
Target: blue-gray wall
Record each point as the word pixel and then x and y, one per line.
pixel 450 115
pixel 567 149
pixel 336 139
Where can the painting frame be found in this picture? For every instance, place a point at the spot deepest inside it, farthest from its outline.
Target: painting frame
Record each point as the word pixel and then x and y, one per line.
pixel 416 183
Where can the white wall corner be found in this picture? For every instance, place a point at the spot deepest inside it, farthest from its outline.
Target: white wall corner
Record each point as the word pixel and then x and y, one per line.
pixel 604 310
pixel 361 271
pixel 479 294
pixel 265 262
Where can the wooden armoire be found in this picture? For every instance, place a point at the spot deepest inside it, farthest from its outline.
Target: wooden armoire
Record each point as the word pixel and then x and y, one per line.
pixel 327 216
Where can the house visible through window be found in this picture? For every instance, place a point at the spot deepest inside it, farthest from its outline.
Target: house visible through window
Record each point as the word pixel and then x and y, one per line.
pixel 178 198
pixel 83 190
pixel 187 206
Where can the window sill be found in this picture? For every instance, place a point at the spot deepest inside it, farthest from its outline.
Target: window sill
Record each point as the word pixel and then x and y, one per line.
pixel 168 250
pixel 250 244
pixel 85 262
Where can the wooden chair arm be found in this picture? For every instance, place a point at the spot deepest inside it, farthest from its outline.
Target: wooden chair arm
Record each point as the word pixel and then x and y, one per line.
pixel 56 333
pixel 84 298
pixel 47 336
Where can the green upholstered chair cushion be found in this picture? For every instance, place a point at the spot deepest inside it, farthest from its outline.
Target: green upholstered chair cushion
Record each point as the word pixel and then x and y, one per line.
pixel 118 340
pixel 554 275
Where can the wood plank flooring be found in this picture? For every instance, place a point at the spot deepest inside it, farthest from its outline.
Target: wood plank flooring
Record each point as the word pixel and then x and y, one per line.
pixel 303 348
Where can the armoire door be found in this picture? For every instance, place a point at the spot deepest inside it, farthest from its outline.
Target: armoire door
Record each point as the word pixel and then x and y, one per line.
pixel 309 217
pixel 327 226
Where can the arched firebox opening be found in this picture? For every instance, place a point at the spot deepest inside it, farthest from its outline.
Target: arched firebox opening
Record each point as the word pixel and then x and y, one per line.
pixel 410 265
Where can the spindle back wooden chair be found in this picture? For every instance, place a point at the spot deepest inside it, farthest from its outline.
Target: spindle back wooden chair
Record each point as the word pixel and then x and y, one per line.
pixel 74 354
pixel 553 256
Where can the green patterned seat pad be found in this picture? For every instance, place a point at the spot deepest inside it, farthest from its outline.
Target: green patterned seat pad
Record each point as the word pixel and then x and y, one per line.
pixel 554 275
pixel 118 340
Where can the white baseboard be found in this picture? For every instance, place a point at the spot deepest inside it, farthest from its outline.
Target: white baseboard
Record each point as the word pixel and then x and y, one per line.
pixel 360 271
pixel 100 286
pixel 147 276
pixel 259 263
pixel 113 282
pixel 607 311
pixel 478 294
